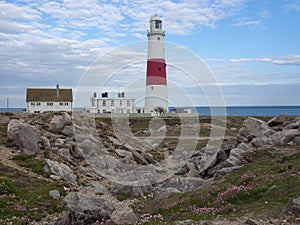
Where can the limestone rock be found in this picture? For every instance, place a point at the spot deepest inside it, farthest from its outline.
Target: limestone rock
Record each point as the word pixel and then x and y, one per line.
pixel 186 184
pixel 54 194
pixel 68 131
pixel 131 191
pixel 277 121
pixel 85 209
pixel 59 122
pixel 253 128
pixel 61 169
pixel 209 158
pixel 123 215
pixel 237 154
pixel 293 207
pixel 283 137
pixel 24 136
pixel 296 141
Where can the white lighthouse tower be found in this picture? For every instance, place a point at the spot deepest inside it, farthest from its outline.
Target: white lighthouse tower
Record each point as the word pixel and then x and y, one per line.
pixel 156 80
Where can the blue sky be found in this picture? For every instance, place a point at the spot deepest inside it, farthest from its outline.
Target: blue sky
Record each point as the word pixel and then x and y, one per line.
pixel 252 47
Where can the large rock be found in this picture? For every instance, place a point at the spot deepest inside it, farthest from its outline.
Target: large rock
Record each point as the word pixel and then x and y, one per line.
pixel 277 121
pixel 62 170
pixel 209 158
pixel 293 207
pixel 59 122
pixel 295 124
pixel 85 209
pixel 283 137
pixel 186 184
pixel 131 191
pixel 123 215
pixel 237 154
pixel 253 128
pixel 24 136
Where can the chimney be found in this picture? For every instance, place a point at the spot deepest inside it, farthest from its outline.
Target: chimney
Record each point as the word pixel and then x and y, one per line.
pixel 57 91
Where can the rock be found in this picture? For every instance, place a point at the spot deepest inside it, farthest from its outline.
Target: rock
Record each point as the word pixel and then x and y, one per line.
pixel 192 222
pixel 123 215
pixel 296 141
pixel 45 143
pixel 183 170
pixel 61 169
pixel 186 184
pixel 85 209
pixel 162 129
pixel 283 137
pixel 59 122
pixel 228 170
pixel 209 158
pixel 68 131
pixel 295 124
pixel 99 188
pixel 54 194
pixel 123 153
pixel 24 136
pixel 236 154
pixel 251 222
pixel 65 153
pixel 253 128
pixel 277 121
pixel 131 191
pixel 163 193
pixel 293 207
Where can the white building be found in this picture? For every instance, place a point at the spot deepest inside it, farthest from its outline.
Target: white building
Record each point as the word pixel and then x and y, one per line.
pixel 105 104
pixel 40 100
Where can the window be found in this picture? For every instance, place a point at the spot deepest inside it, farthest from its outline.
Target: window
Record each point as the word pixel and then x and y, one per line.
pixel 128 103
pixel 49 103
pixel 32 103
pixel 61 103
pixel 66 103
pixel 120 103
pixel 158 38
pixel 157 24
pixel 112 103
pixel 38 103
pixel 159 69
pixel 128 110
pixel 104 103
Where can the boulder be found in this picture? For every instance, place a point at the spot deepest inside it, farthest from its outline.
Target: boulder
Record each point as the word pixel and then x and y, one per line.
pixel 68 131
pixel 123 153
pixel 99 188
pixel 59 122
pixel 24 136
pixel 186 184
pixel 253 128
pixel 296 141
pixel 293 207
pixel 131 191
pixel 45 143
pixel 209 158
pixel 62 170
pixel 283 137
pixel 237 154
pixel 82 209
pixel 277 121
pixel 295 124
pixel 54 194
pixel 123 214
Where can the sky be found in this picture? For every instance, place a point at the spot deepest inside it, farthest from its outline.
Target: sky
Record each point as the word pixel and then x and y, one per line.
pixel 251 48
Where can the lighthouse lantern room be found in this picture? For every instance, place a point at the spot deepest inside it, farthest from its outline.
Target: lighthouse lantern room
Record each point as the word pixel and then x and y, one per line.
pixel 156 79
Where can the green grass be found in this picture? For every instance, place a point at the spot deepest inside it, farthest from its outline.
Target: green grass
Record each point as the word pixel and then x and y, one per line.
pixel 31 162
pixel 24 199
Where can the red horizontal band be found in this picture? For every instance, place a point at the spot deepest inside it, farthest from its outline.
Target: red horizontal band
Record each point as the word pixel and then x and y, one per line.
pixel 156 71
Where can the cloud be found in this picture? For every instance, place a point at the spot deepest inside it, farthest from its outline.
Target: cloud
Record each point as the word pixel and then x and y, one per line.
pixel 247 23
pixel 292 6
pixel 284 60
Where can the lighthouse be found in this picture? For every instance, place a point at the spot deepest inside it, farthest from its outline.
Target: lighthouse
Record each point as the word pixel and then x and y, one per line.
pixel 156 79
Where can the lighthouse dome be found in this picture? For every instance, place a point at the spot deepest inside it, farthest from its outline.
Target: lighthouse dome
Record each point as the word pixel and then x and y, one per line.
pixel 155 17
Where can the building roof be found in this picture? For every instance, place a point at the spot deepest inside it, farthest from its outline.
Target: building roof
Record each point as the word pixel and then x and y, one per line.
pixel 48 95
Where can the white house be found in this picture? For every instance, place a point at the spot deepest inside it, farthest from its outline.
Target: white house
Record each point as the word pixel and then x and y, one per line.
pixel 105 104
pixel 44 100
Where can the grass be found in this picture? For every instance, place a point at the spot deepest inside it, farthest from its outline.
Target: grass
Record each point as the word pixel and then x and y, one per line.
pixel 24 199
pixel 263 187
pixel 31 162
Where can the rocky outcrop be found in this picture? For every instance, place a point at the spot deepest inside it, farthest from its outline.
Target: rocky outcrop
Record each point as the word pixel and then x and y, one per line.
pixel 24 136
pixel 58 122
pixel 83 209
pixel 62 170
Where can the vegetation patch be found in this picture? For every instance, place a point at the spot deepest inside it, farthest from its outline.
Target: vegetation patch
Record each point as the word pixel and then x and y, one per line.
pixel 24 199
pixel 32 163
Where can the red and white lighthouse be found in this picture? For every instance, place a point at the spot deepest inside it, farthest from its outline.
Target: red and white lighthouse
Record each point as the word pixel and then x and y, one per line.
pixel 156 80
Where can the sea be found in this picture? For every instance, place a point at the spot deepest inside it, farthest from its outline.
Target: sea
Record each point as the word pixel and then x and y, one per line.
pixel 230 110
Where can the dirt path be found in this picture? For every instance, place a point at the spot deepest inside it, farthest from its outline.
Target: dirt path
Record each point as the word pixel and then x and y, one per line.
pixel 6 155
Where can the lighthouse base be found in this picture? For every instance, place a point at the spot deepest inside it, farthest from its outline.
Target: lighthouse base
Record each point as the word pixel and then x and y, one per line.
pixel 156 97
